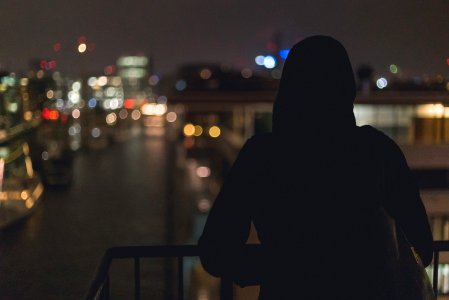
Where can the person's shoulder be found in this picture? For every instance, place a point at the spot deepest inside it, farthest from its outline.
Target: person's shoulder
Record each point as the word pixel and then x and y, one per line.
pixel 380 140
pixel 261 138
pixel 259 142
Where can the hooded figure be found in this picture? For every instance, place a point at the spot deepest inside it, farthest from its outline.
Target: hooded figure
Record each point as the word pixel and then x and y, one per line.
pixel 320 192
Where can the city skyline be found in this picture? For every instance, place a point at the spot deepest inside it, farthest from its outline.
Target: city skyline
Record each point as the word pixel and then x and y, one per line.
pixel 412 35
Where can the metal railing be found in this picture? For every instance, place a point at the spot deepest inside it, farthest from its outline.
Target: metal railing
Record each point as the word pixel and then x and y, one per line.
pixel 99 288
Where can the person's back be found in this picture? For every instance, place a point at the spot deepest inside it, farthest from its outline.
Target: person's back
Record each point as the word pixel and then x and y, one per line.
pixel 317 189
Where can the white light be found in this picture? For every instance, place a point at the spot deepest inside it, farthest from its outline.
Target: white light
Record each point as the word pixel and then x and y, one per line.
pixel 82 48
pixel 111 118
pixel 114 104
pixel 59 103
pixel 102 81
pixel 110 91
pixel 76 113
pixel 135 115
pixel 92 81
pixel 203 172
pixel 160 109
pixel 269 62
pixel 260 60
pixel 96 132
pixel 45 155
pixel 171 117
pixel 74 97
pixel 72 130
pixel 381 83
pixel 76 86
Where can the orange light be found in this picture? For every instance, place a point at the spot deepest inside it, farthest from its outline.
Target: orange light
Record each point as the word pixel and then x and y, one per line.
pixel 54 115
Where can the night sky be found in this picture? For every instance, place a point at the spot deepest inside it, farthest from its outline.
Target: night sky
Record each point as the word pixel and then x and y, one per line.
pixel 412 34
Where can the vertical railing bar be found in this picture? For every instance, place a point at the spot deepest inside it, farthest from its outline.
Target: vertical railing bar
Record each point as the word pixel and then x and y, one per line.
pixel 436 258
pixel 137 278
pixel 226 289
pixel 104 294
pixel 180 277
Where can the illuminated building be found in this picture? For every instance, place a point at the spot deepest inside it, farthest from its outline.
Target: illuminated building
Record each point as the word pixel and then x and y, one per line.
pixel 134 72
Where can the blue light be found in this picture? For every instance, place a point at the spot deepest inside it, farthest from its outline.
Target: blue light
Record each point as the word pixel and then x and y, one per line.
pixel 269 62
pixel 284 53
pixel 259 60
pixel 92 102
pixel 180 85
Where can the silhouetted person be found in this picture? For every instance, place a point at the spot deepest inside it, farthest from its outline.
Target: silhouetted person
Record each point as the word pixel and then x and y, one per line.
pixel 315 189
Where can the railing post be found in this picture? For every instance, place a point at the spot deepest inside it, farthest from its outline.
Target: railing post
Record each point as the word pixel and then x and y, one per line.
pixel 226 292
pixel 436 259
pixel 136 278
pixel 180 277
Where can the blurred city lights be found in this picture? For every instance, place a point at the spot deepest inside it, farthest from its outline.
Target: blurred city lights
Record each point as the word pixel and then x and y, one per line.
pixel 82 48
pixel 60 104
pixel 269 62
pixel 203 172
pixel 447 61
pixel 436 110
pixel 129 103
pixel 198 130
pixel 260 60
pixel 284 53
pixel 276 74
pixel 76 86
pixel 160 109
pixel 205 74
pixel 111 118
pixel 153 80
pixel 92 81
pixel 180 85
pixel 171 117
pixel 44 155
pixel 108 70
pixel 57 47
pixel 214 131
pixel 123 114
pixel 76 113
pixel 24 81
pixel 204 205
pixel 50 94
pixel 102 80
pixel 246 73
pixel 393 68
pixel 92 102
pixel 189 129
pixel 95 132
pixel 135 115
pixel 162 99
pixel 82 39
pixel 381 83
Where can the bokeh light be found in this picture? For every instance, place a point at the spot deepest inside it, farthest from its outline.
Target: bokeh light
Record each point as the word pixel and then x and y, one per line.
pixel 82 48
pixel 214 131
pixel 189 129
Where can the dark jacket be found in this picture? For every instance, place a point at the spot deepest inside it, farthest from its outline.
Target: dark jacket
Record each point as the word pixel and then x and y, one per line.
pixel 315 189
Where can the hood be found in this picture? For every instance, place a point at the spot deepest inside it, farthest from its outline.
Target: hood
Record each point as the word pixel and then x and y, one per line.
pixel 317 87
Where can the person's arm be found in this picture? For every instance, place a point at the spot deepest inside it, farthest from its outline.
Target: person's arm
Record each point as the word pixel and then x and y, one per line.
pixel 222 243
pixel 404 202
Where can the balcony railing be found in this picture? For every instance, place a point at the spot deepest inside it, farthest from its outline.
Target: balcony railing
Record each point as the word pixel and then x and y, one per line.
pixel 99 288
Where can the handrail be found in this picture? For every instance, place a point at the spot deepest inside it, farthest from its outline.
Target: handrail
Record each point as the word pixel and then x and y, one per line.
pixel 99 288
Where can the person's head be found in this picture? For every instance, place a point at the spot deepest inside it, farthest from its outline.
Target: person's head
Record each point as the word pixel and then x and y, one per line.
pixel 317 79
